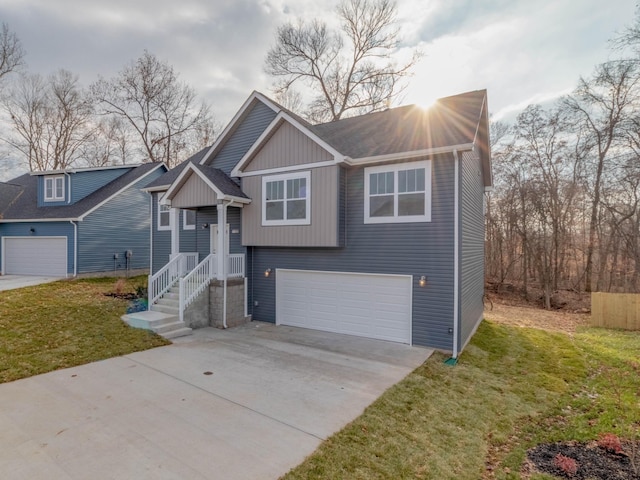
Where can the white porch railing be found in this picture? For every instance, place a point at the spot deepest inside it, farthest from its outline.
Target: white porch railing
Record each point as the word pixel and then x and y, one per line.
pixel 235 267
pixel 167 276
pixel 196 281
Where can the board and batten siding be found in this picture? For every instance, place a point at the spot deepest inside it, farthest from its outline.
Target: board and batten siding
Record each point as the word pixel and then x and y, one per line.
pixel 287 146
pixel 323 230
pixel 121 224
pixel 85 183
pixel 246 133
pixel 471 246
pixel 42 229
pixel 393 248
pixel 194 193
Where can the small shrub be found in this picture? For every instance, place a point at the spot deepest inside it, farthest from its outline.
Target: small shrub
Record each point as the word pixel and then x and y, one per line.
pixel 141 291
pixel 138 305
pixel 610 442
pixel 567 464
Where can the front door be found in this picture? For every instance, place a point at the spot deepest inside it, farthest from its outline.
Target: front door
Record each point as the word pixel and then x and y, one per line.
pixel 214 239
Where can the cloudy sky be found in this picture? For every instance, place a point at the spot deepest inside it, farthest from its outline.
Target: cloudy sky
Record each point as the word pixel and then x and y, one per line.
pixel 521 51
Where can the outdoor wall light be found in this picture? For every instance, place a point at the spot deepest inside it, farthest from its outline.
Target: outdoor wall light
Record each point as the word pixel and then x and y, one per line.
pixel 205 226
pixel 267 272
pixel 423 281
pixel 32 230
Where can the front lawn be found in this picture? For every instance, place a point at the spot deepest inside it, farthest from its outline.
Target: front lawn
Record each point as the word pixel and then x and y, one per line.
pixel 66 323
pixel 512 389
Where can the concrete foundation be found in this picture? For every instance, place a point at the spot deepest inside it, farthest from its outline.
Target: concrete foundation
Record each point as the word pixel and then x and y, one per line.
pixel 235 303
pixel 197 314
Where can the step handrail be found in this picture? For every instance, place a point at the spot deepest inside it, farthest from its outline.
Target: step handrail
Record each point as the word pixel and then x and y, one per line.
pixel 160 282
pixel 196 281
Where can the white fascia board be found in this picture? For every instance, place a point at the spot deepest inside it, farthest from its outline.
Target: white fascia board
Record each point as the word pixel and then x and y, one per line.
pixel 284 117
pixel 39 220
pixel 290 168
pixel 158 188
pixel 85 169
pixel 239 114
pixel 166 199
pixel 119 192
pixel 412 154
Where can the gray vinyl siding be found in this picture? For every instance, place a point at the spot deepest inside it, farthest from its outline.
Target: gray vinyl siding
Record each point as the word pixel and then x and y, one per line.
pixel 471 245
pixel 121 224
pixel 407 249
pixel 42 229
pixel 286 147
pixel 85 183
pixel 161 238
pixel 255 122
pixel 194 193
pixel 323 230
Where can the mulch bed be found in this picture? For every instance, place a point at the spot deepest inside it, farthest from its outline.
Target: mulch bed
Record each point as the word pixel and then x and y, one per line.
pixel 123 296
pixel 593 462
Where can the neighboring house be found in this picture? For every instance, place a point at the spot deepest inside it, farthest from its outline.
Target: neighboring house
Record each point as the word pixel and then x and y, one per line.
pixel 370 226
pixel 76 221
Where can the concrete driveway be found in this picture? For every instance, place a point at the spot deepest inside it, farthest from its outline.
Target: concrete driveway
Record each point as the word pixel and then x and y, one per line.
pixel 11 282
pixel 245 403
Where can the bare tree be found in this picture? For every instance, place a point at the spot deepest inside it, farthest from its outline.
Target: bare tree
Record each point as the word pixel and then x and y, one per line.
pixel 161 111
pixel 354 79
pixel 11 52
pixel 51 120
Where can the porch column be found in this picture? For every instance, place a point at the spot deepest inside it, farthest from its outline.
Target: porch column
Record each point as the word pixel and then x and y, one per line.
pixel 221 249
pixel 174 215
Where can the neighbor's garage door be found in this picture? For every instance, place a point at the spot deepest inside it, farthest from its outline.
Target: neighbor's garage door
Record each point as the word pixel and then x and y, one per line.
pixel 45 256
pixel 374 306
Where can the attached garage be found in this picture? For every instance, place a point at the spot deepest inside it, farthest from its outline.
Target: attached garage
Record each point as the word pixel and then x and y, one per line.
pixel 366 305
pixel 46 256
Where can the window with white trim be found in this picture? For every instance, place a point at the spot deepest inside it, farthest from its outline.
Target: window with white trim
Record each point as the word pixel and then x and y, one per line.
pixel 164 216
pixel 398 193
pixel 286 199
pixel 188 219
pixel 54 189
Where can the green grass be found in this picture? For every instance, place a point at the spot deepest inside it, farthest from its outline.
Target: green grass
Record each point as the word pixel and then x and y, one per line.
pixel 63 324
pixel 511 389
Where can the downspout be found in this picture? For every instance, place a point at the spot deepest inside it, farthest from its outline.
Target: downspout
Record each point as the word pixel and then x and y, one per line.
pixel 456 275
pixel 224 264
pixel 75 247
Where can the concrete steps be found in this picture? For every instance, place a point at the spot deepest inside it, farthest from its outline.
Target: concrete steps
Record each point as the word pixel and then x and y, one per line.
pixel 165 324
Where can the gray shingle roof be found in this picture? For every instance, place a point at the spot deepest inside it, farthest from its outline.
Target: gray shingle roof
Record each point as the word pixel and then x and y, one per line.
pixel 25 202
pixel 221 180
pixel 450 121
pixel 168 178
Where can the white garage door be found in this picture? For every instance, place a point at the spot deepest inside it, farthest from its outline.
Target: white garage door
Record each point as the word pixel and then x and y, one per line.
pixel 374 306
pixel 45 256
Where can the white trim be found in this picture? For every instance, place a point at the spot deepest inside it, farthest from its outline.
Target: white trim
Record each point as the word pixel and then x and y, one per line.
pixel 185 225
pixel 39 220
pixel 222 138
pixel 166 198
pixel 3 250
pixel 158 188
pixel 407 155
pixel 75 249
pixel 284 177
pixel 275 123
pixel 395 168
pixel 133 182
pixel 151 201
pixel 456 276
pixel 291 168
pixel 409 278
pixel 160 227
pixel 55 197
pixel 175 230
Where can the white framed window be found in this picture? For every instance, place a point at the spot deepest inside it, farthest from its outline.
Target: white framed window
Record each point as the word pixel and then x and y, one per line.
pixel 164 216
pixel 286 199
pixel 54 189
pixel 188 219
pixel 399 193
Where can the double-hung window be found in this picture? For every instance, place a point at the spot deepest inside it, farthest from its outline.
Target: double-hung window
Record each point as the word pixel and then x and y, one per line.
pixel 398 193
pixel 164 216
pixel 54 189
pixel 286 199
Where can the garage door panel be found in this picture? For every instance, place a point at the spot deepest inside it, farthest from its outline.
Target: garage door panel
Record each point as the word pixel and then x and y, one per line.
pixel 374 306
pixel 35 256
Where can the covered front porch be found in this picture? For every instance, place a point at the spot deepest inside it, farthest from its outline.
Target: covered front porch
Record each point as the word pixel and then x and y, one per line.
pixel 203 283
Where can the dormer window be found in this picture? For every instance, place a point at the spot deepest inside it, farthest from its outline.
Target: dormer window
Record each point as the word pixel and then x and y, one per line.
pixel 54 189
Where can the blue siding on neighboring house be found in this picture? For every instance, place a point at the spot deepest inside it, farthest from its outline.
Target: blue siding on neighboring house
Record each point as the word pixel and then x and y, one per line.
pixel 41 202
pixel 85 183
pixel 42 229
pixel 258 118
pixel 121 224
pixel 471 246
pixel 408 249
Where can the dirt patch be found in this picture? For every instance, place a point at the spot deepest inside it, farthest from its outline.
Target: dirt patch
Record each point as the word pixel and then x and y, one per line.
pixel 530 317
